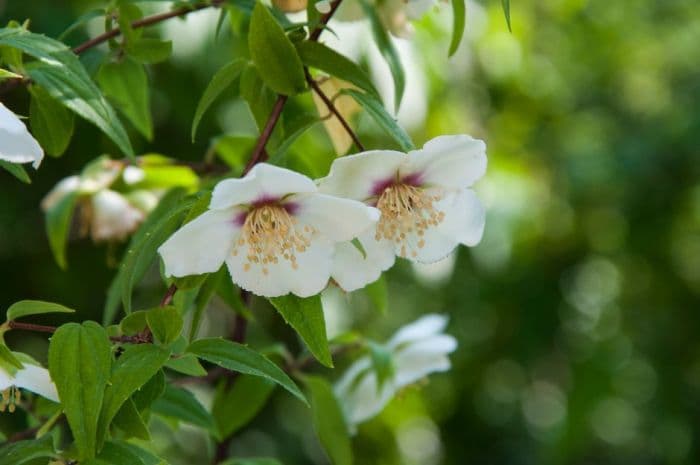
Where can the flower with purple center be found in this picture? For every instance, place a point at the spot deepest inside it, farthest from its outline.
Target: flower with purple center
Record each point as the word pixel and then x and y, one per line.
pixel 426 202
pixel 273 229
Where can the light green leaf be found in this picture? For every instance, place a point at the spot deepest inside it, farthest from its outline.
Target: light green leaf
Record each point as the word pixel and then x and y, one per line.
pixel 34 307
pixel 80 362
pixel 305 315
pixel 147 50
pixel 506 12
pixel 378 294
pixel 360 248
pixel 388 51
pixel 458 21
pixel 187 364
pixel 206 292
pixel 328 421
pixel 165 323
pixel 5 74
pixel 235 407
pixel 376 110
pixel 237 357
pixel 126 85
pixel 21 452
pixel 220 82
pixel 180 404
pixel 8 361
pixel 15 170
pixel 52 124
pixel 319 56
pixel 147 457
pixel 274 54
pixel 129 420
pixel 58 223
pixel 382 363
pixel 149 392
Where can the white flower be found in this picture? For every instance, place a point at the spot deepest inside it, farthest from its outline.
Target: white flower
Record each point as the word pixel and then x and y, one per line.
pixel 16 144
pixel 31 377
pixel 272 228
pixel 417 350
pixel 427 206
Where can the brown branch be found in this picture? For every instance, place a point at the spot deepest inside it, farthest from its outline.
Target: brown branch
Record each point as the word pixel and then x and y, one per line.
pixel 168 297
pixel 31 327
pixel 141 338
pixel 266 133
pixel 331 106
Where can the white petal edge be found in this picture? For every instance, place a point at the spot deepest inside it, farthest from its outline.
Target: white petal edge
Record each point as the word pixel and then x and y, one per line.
pixel 336 218
pixel 36 379
pixel 64 187
pixel 17 145
pixel 424 327
pixel 113 217
pixel 352 271
pixel 358 176
pixel 263 182
pixel 202 245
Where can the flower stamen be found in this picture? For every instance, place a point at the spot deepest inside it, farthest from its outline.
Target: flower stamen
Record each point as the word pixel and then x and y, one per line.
pixel 10 398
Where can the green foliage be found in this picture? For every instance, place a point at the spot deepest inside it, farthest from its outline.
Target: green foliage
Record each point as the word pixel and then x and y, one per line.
pixel 165 324
pixel 22 452
pixel 15 170
pixel 379 294
pixel 506 12
pixel 305 315
pixel 149 51
pixel 328 421
pixel 34 307
pixel 181 405
pixel 236 406
pixel 52 124
pixel 58 223
pixel 252 461
pixel 459 16
pixel 382 362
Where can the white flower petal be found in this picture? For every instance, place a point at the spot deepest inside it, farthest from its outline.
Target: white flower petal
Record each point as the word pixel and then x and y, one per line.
pixel 336 218
pixel 361 176
pixel 310 277
pixel 437 344
pixel 64 187
pixel 202 245
pixel 113 217
pixel 424 327
pixel 447 161
pixel 36 379
pixel 465 217
pixel 16 144
pixel 133 175
pixel 352 270
pixel 359 395
pixel 413 367
pixel 263 182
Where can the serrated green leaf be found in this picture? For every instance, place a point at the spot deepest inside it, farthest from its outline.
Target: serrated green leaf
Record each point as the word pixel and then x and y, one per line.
pixel 16 170
pixel 34 307
pixel 459 14
pixel 376 110
pixel 305 315
pixel 149 51
pixel 52 124
pixel 378 294
pixel 235 407
pixel 220 82
pixel 58 223
pixel 165 324
pixel 328 421
pixel 274 54
pixel 21 452
pixel 80 362
pixel 237 357
pixel 388 51
pixel 180 404
pixel 319 56
pixel 126 85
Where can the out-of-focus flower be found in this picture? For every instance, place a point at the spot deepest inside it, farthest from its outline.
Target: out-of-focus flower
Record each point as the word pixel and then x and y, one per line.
pixel 426 203
pixel 16 144
pixel 31 377
pixel 346 106
pixel 395 14
pixel 105 213
pixel 272 228
pixel 417 350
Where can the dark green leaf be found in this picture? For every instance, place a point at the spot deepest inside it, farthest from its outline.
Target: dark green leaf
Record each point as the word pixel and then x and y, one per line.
pixel 328 421
pixel 305 315
pixel 321 57
pixel 206 292
pixel 115 453
pixel 180 404
pixel 458 20
pixel 134 323
pixel 274 54
pixel 16 170
pixel 376 110
pixel 34 307
pixel 220 82
pixel 126 85
pixel 52 124
pixel 80 362
pixel 149 392
pixel 21 452
pixel 82 19
pixel 165 323
pixel 237 357
pixel 236 407
pixel 129 420
pixel 58 222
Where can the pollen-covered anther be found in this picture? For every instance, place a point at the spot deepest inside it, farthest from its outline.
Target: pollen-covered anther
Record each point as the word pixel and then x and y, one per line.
pixel 406 209
pixel 10 397
pixel 269 234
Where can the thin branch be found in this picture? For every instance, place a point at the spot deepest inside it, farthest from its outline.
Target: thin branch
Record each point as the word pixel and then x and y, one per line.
pixel 331 106
pixel 257 155
pixel 168 297
pixel 141 338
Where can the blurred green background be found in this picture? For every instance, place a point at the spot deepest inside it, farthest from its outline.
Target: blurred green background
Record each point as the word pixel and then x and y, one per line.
pixel 576 315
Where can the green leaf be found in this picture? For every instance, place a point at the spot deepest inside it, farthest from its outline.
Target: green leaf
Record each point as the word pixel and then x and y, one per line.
pixel 80 362
pixel 237 357
pixel 506 12
pixel 82 19
pixel 129 420
pixel 165 323
pixel 52 124
pixel 5 74
pixel 305 315
pixel 378 294
pixel 252 461
pixel 21 452
pixel 388 51
pixel 134 368
pixel 459 14
pixel 15 170
pixel 206 292
pixel 187 364
pixel 34 307
pixel 58 222
pixel 274 54
pixel 60 72
pixel 134 323
pixel 220 82
pixel 115 453
pixel 126 85
pixel 147 457
pixel 360 248
pixel 382 363
pixel 319 56
pixel 284 147
pixel 8 361
pixel 235 407
pixel 328 421
pixel 149 392
pixel 180 404
pixel 376 110
pixel 147 50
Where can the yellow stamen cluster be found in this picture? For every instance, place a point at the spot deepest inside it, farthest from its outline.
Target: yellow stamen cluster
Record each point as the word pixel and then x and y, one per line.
pixel 269 234
pixel 10 397
pixel 406 209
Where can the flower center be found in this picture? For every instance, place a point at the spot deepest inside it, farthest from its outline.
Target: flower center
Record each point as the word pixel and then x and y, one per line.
pixel 406 209
pixel 269 234
pixel 10 397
